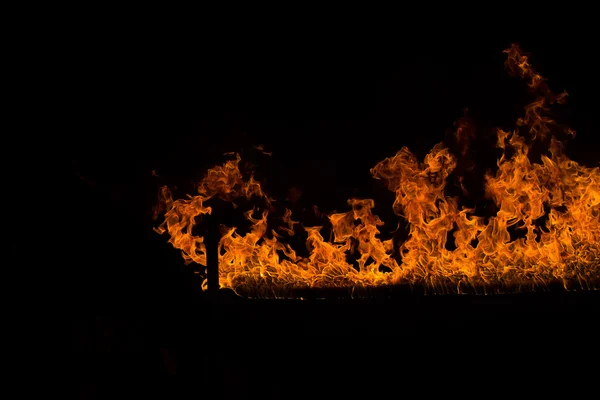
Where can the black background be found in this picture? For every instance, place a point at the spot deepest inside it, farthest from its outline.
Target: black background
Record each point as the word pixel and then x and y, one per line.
pixel 328 109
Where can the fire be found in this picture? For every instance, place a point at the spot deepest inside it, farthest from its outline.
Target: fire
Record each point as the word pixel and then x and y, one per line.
pixel 553 202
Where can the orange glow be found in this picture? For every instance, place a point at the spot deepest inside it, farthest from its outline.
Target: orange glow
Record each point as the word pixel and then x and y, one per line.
pixel 555 202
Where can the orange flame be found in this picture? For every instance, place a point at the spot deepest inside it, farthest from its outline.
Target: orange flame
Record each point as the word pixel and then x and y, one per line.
pixel 554 202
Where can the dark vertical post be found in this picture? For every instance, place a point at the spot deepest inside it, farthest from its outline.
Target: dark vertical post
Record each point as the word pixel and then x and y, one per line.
pixel 211 240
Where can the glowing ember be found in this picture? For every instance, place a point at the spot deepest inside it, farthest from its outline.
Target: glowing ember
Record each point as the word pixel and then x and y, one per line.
pixel 555 202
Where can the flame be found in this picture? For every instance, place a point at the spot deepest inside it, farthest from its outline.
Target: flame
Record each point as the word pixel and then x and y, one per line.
pixel 553 204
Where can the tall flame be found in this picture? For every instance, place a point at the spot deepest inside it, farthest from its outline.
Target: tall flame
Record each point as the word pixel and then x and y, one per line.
pixel 554 203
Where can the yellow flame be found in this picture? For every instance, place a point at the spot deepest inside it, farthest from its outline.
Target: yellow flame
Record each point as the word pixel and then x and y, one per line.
pixel 554 202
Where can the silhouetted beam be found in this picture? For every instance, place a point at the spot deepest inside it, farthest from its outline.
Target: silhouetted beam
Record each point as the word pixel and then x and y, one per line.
pixel 211 240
